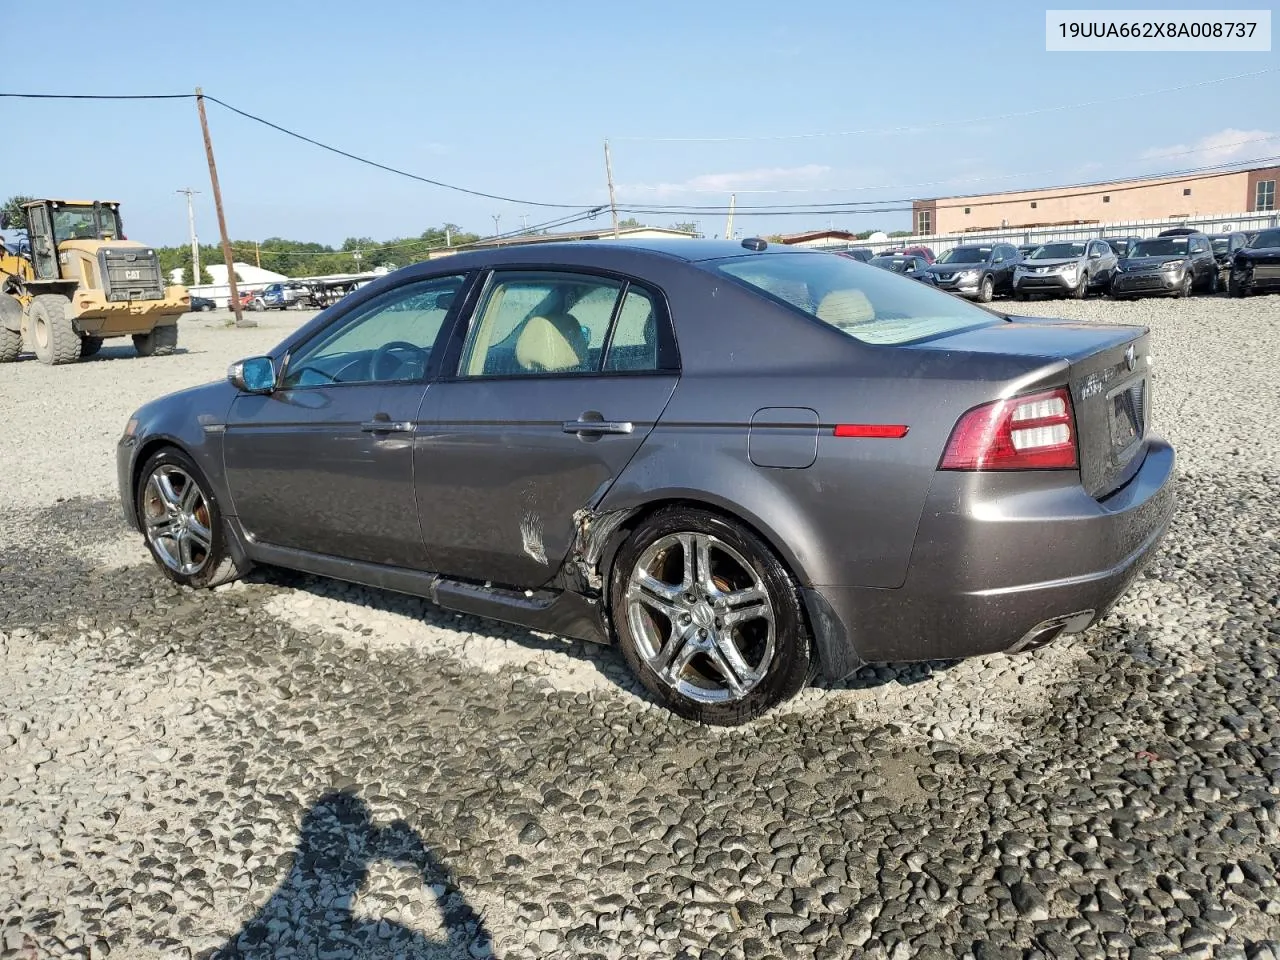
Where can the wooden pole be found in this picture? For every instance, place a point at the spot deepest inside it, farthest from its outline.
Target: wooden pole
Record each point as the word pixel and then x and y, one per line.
pixel 227 257
pixel 608 172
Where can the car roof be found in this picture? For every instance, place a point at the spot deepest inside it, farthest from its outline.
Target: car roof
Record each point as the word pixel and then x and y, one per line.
pixel 672 248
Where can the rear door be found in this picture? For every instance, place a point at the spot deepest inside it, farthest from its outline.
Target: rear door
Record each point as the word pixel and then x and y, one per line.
pixel 559 379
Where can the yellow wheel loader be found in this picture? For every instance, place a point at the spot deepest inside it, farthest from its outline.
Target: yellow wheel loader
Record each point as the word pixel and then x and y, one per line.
pixel 76 281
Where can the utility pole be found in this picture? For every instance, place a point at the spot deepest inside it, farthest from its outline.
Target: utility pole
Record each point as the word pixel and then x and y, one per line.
pixel 358 255
pixel 195 243
pixel 448 236
pixel 496 218
pixel 227 257
pixel 728 227
pixel 613 203
pixel 257 254
pixel 524 223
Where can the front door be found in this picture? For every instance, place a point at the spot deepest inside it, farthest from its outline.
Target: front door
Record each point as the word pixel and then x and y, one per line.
pixel 325 463
pixel 44 251
pixel 561 379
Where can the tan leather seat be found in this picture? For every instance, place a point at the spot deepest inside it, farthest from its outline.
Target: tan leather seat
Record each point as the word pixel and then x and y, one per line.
pixel 551 344
pixel 845 308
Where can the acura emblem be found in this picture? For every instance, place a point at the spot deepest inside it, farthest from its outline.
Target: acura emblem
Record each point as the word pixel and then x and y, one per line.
pixel 1131 357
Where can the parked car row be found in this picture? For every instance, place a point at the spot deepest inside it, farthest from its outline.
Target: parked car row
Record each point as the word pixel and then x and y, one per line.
pixel 1179 262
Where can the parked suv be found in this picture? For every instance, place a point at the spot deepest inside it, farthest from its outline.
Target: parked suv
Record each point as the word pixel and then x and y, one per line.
pixel 1067 268
pixel 280 296
pixel 1121 245
pixel 977 271
pixel 1224 247
pixel 1167 266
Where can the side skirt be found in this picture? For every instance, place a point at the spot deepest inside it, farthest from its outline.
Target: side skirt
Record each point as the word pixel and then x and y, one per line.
pixel 560 612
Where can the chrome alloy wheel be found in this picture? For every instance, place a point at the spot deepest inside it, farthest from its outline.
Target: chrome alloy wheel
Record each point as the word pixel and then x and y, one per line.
pixel 701 617
pixel 176 516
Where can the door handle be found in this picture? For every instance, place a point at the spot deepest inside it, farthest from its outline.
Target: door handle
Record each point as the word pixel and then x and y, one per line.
pixel 387 426
pixel 598 426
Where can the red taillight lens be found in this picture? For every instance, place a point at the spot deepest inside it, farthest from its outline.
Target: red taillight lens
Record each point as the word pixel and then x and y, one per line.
pixel 1032 432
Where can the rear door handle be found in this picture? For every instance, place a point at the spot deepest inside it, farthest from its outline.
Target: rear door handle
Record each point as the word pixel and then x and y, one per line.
pixel 387 425
pixel 598 426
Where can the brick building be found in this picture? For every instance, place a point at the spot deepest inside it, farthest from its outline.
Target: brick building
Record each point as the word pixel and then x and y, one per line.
pixel 1236 191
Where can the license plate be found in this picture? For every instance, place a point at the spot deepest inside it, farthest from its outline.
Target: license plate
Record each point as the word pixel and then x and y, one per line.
pixel 1127 415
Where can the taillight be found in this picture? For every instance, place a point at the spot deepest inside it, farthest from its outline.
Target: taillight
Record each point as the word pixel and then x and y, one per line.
pixel 1031 432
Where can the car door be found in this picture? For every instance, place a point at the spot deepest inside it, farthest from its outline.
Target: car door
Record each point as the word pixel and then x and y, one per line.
pixel 559 379
pixel 324 463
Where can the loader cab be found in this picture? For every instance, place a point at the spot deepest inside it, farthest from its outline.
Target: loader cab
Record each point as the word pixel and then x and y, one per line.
pixel 51 223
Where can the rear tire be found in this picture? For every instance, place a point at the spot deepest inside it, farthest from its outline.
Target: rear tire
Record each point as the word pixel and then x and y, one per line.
pixel 735 596
pixel 10 345
pixel 1212 289
pixel 185 526
pixel 160 342
pixel 89 346
pixel 53 336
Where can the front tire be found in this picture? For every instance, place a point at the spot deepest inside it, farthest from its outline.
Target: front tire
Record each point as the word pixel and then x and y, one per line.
pixel 1188 281
pixel 1081 287
pixel 182 522
pixel 160 342
pixel 53 336
pixel 1237 288
pixel 89 346
pixel 986 289
pixel 707 617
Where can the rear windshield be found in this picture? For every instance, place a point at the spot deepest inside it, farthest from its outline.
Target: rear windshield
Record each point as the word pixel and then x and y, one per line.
pixel 865 302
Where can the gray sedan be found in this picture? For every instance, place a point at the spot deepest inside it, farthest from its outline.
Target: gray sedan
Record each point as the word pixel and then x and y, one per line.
pixel 745 464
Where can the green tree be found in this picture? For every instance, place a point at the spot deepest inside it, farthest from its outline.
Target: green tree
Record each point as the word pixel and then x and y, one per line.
pixel 630 222
pixel 687 226
pixel 12 216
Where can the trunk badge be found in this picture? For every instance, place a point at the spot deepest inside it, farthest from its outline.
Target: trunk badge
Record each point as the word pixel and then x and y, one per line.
pixel 1131 357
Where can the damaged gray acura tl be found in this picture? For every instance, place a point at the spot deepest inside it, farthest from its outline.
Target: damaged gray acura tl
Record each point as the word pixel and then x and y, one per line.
pixel 746 464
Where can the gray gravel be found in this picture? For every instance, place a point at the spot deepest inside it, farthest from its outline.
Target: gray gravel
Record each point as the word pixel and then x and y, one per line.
pixel 290 767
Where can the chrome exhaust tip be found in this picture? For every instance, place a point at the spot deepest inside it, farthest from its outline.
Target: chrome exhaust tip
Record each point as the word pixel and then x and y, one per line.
pixel 1049 630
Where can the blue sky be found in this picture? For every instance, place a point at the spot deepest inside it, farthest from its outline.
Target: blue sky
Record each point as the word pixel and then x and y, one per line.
pixel 515 98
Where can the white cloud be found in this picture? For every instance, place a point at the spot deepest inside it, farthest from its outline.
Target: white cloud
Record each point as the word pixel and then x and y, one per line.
pixel 780 179
pixel 1221 147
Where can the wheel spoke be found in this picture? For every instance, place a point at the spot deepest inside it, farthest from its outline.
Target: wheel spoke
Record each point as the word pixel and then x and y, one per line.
pixel 161 526
pixel 743 614
pixel 651 586
pixel 703 573
pixel 199 534
pixel 184 550
pixel 675 651
pixel 716 654
pixel 164 487
pixel 727 650
pixel 190 496
pixel 688 549
pixel 737 599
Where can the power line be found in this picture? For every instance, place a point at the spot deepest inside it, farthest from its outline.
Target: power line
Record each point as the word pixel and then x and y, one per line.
pixel 99 96
pixel 951 123
pixel 389 169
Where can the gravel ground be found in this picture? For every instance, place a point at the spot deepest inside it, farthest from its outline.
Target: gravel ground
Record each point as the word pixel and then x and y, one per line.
pixel 291 767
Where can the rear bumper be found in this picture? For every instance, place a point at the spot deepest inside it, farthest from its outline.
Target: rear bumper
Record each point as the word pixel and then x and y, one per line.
pixel 995 561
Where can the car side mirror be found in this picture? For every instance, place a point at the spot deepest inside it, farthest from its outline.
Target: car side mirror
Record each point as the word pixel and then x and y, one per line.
pixel 1096 255
pixel 255 375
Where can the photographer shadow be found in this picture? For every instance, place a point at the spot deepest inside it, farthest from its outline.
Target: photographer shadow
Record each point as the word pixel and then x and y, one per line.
pixel 311 914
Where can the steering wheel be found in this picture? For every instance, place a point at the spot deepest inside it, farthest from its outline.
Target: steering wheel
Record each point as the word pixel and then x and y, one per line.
pixel 390 351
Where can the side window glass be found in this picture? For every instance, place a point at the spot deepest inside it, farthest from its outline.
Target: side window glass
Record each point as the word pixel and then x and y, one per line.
pixel 531 323
pixel 635 338
pixel 388 340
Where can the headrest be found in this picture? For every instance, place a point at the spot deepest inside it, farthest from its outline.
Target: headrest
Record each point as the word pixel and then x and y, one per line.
pixel 845 308
pixel 551 343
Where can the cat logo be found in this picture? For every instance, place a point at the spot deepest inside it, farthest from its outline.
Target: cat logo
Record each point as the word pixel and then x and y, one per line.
pixel 133 274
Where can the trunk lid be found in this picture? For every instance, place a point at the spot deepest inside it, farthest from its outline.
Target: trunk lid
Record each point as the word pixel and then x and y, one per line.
pixel 1108 374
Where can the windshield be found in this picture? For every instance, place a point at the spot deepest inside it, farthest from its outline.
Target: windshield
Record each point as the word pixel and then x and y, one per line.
pixel 857 299
pixel 1267 238
pixel 1052 251
pixel 1160 247
pixel 966 255
pixel 1221 244
pixel 82 222
pixel 896 264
